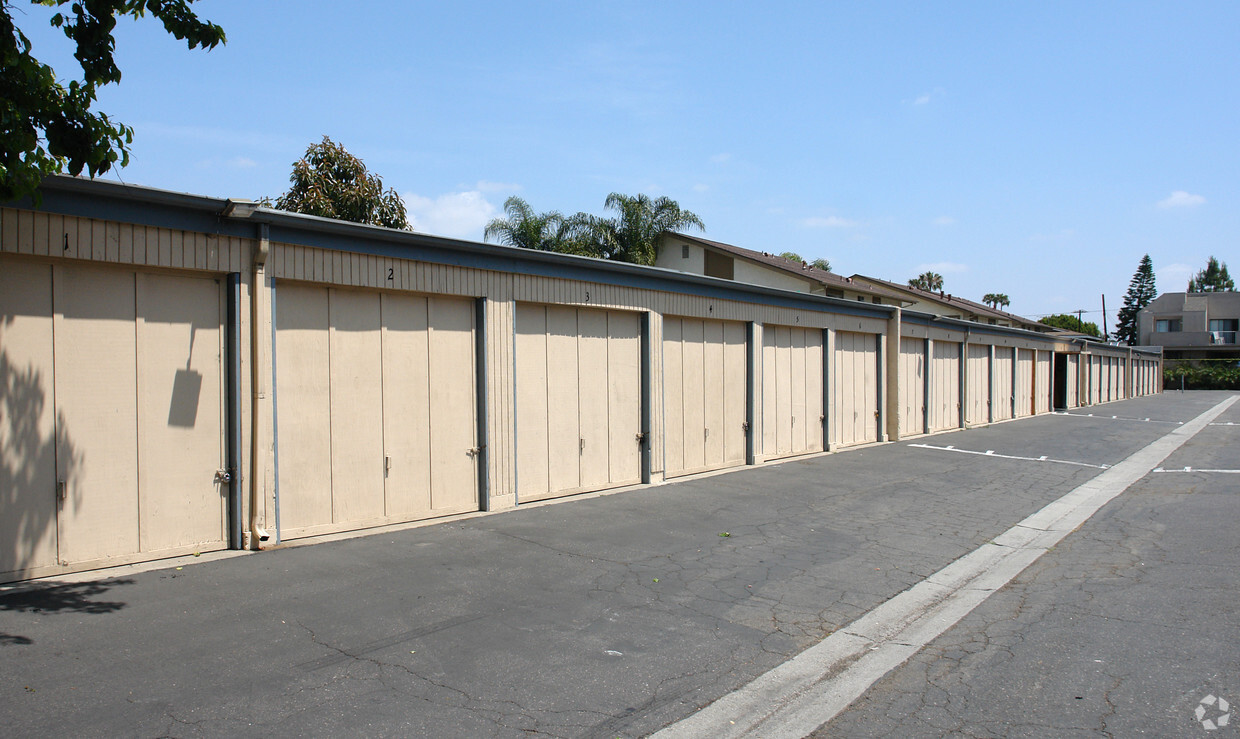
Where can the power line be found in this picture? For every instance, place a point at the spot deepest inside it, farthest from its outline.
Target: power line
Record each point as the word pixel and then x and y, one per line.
pixel 1062 313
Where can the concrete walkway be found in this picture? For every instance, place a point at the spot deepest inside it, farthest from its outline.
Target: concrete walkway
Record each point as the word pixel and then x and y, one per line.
pixel 607 616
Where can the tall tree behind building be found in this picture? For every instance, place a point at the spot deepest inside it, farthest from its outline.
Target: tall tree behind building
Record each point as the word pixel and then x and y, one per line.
pixel 1141 292
pixel 332 183
pixel 1212 279
pixel 927 281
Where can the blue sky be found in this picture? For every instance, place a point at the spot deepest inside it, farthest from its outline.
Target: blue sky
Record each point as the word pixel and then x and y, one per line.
pixel 1033 149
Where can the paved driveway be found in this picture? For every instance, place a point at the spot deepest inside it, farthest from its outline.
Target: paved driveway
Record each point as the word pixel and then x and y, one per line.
pixel 603 616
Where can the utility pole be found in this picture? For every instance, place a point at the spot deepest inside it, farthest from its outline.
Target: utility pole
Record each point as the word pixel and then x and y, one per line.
pixel 1104 317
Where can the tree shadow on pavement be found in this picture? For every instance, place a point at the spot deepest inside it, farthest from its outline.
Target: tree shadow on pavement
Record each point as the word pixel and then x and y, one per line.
pixel 74 597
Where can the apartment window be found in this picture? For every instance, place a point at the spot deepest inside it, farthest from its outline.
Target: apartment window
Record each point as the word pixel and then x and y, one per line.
pixel 1224 330
pixel 684 251
pixel 718 265
pixel 1168 325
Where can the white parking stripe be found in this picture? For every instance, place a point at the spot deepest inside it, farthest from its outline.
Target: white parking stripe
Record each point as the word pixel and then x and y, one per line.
pixel 1115 418
pixel 1194 469
pixel 991 453
pixel 810 689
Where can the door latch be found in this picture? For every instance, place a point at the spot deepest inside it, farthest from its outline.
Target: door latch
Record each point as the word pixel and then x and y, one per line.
pixel 641 437
pixel 223 476
pixel 474 451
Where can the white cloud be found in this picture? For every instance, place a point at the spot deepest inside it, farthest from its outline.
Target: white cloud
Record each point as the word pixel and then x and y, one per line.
pixel 828 222
pixel 242 163
pixel 1174 277
pixel 944 221
pixel 701 187
pixel 461 215
pixel 925 98
pixel 1181 199
pixel 942 267
pixel 721 158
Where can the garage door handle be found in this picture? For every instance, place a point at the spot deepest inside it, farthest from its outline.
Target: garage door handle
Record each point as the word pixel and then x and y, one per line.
pixel 581 444
pixel 61 489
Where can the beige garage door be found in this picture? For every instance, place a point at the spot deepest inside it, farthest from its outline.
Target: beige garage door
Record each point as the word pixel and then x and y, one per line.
pixel 578 405
pixel 113 412
pixel 1002 390
pixel 1024 383
pixel 912 386
pixel 705 375
pixel 375 406
pixel 854 389
pixel 1095 379
pixel 945 386
pixel 792 391
pixel 1042 383
pixel 978 410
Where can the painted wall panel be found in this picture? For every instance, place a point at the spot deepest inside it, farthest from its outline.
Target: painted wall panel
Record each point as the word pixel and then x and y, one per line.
pixel 624 396
pixel 1042 382
pixel 945 386
pixel 1003 392
pixel 181 415
pixel 792 396
pixel 563 431
pixel 704 370
pixel 96 398
pixel 406 405
pixel 585 423
pixel 532 390
pixel 28 434
pixel 356 368
pixel 855 387
pixel 454 481
pixel 593 398
pixel 912 383
pixel 303 397
pixel 978 369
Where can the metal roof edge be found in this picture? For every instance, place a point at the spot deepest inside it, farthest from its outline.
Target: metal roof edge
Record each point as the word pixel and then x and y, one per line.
pixel 137 204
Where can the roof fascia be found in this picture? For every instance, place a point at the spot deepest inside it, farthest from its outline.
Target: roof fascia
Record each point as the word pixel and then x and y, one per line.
pixel 103 199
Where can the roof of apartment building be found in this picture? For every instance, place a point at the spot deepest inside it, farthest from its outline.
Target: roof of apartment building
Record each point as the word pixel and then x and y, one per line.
pixel 955 301
pixel 800 269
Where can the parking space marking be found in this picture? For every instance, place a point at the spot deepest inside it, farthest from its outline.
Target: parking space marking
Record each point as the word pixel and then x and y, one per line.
pixel 991 453
pixel 1194 469
pixel 804 693
pixel 1104 417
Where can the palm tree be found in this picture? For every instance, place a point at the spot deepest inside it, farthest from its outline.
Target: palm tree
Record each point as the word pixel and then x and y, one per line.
pixel 633 235
pixel 996 300
pixel 927 281
pixel 550 231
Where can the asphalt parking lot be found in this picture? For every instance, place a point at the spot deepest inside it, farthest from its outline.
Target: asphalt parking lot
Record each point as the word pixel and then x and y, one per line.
pixel 623 614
